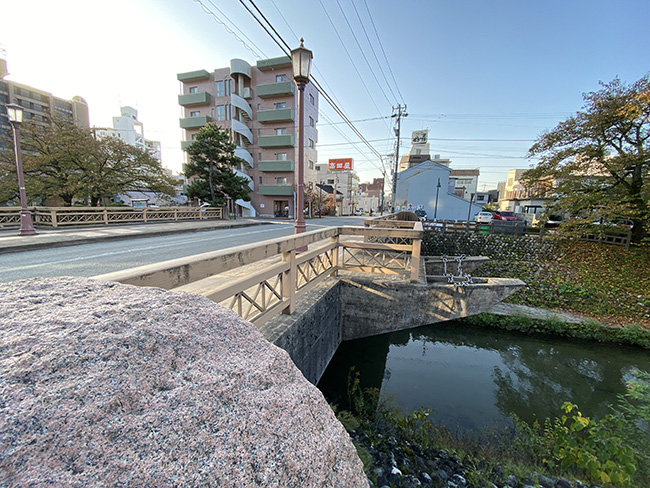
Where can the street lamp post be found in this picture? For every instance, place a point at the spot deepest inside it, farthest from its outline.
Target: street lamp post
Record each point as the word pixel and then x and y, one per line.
pixel 15 115
pixel 301 62
pixel 435 212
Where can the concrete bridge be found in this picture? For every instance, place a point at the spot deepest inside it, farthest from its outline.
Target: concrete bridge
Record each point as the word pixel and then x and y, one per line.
pixel 351 282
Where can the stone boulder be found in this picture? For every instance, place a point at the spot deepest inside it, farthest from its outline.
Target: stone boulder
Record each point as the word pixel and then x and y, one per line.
pixel 103 384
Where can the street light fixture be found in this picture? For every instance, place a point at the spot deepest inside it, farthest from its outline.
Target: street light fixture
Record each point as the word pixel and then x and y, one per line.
pixel 301 62
pixel 15 116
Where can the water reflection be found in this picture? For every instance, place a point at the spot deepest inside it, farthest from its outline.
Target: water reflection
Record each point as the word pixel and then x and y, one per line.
pixel 474 377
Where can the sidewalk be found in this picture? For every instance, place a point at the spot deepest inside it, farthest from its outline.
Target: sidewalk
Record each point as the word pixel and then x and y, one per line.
pixel 11 241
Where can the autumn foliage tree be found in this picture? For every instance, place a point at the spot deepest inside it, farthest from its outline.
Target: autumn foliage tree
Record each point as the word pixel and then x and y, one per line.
pixel 66 163
pixel 600 157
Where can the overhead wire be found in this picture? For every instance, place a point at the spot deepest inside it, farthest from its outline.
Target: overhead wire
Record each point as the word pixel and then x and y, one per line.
pixel 383 51
pixel 373 51
pixel 228 29
pixel 286 50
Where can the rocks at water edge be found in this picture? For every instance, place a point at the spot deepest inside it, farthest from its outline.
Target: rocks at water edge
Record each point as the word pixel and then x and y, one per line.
pixel 103 384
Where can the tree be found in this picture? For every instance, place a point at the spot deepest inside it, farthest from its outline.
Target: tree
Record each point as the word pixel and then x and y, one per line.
pixel 212 163
pixel 600 157
pixel 66 162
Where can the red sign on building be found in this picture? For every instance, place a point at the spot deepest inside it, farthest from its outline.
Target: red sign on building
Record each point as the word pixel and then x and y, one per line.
pixel 340 164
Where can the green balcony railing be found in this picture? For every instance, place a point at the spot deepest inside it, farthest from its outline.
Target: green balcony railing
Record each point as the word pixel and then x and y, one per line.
pixel 276 165
pixel 280 89
pixel 276 190
pixel 274 63
pixel 200 75
pixel 189 99
pixel 277 115
pixel 194 122
pixel 285 140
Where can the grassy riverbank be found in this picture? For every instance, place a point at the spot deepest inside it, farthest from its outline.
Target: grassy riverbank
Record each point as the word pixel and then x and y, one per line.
pixel 605 282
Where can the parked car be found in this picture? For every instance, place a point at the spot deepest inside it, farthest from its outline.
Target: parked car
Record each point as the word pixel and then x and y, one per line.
pixel 504 215
pixel 553 221
pixel 483 217
pixel 422 214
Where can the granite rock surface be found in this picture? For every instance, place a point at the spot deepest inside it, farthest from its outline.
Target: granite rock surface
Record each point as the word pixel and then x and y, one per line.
pixel 103 384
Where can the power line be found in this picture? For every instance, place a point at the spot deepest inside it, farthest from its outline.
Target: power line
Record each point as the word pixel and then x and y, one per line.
pixel 286 50
pixel 354 36
pixel 383 51
pixel 350 57
pixel 373 51
pixel 228 29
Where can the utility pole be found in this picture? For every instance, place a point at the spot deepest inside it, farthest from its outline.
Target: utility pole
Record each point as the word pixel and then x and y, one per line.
pixel 398 113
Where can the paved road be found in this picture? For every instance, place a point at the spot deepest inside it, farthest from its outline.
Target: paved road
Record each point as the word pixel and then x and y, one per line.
pixel 113 255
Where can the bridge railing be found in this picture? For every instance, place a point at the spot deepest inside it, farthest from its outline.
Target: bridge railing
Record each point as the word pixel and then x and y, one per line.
pixel 70 216
pixel 259 281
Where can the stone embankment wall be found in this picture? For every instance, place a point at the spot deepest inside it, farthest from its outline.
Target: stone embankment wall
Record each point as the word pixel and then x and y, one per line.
pixel 104 384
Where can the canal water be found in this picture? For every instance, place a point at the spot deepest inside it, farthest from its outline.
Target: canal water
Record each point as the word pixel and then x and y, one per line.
pixel 474 377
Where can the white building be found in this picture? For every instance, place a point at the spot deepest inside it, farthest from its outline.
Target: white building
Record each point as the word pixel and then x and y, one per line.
pixel 128 128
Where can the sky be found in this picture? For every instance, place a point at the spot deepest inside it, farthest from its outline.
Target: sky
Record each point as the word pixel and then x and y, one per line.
pixel 485 77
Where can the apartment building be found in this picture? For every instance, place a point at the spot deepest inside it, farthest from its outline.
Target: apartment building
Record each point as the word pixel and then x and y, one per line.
pixel 258 104
pixel 39 106
pixel 128 128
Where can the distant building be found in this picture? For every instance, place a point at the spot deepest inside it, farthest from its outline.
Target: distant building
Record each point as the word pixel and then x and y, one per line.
pixel 428 186
pixel 39 106
pixel 345 182
pixel 129 129
pixel 516 197
pixel 258 106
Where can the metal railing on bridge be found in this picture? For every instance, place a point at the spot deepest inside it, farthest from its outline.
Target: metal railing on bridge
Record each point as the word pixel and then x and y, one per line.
pixel 71 216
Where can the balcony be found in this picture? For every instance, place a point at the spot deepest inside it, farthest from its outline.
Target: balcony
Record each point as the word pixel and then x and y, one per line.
pixel 186 144
pixel 280 166
pixel 274 63
pixel 285 140
pixel 280 89
pixel 190 99
pixel 278 115
pixel 194 122
pixel 200 75
pixel 276 190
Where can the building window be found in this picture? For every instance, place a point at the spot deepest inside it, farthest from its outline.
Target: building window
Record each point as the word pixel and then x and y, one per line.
pixel 259 132
pixel 220 89
pixel 259 156
pixel 195 114
pixel 330 182
pixel 311 99
pixel 194 89
pixel 260 180
pixel 280 132
pixel 311 143
pixel 318 168
pixel 311 165
pixel 221 112
pixel 281 156
pixel 228 112
pixel 228 87
pixel 281 180
pixel 259 106
pixel 311 121
pixel 212 112
pixel 194 137
pixel 279 78
pixel 280 105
